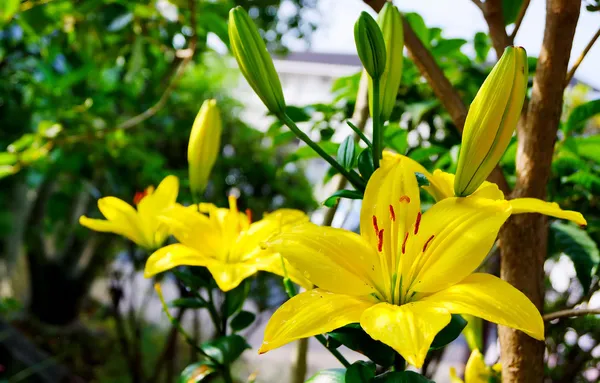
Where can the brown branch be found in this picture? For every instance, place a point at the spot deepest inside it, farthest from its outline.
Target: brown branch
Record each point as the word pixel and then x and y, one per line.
pixel 519 20
pixel 478 3
pixel 492 12
pixel 571 313
pixel 581 57
pixel 523 239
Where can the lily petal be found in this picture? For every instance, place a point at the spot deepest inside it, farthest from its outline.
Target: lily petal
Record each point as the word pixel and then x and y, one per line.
pixel 455 236
pixel 109 227
pixel 476 371
pixel 442 186
pixel 409 329
pixel 489 297
pixel 311 313
pixel 336 260
pixel 120 212
pixel 174 255
pixel 229 275
pixel 534 205
pixel 271 262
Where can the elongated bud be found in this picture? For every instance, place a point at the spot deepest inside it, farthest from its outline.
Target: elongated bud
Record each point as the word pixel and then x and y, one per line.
pixel 370 45
pixel 491 121
pixel 254 60
pixel 390 22
pixel 204 145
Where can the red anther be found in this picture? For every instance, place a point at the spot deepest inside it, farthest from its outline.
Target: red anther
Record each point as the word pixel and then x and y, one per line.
pixel 404 243
pixel 375 225
pixel 380 241
pixel 249 215
pixel 417 223
pixel 427 243
pixel 405 198
pixel 392 213
pixel 139 196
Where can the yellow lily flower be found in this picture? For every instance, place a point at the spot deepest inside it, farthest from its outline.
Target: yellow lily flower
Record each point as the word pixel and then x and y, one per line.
pixel 142 226
pixel 404 275
pixel 476 371
pixel 225 242
pixel 442 186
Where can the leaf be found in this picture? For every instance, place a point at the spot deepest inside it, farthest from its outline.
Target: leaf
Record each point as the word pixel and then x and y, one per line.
pixel 568 238
pixel 421 179
pixel 365 164
pixel 195 372
pixel 120 22
pixel 21 143
pixel 482 45
pixel 450 332
pixel 446 47
pixel 510 10
pixel 190 280
pixel 350 194
pixel 334 375
pixel 8 8
pixel 242 320
pixel 234 299
pixel 402 377
pixel 306 152
pixel 346 153
pixel 8 158
pixel 580 114
pixel 360 372
pixel 226 349
pixel 418 110
pixel 190 303
pixel 418 25
pixel 355 338
pixel 396 138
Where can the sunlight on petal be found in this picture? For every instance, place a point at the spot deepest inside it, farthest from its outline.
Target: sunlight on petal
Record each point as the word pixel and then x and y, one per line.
pixel 171 256
pixel 534 205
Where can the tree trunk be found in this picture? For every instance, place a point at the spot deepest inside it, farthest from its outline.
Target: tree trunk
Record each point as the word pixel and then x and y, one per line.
pixel 523 239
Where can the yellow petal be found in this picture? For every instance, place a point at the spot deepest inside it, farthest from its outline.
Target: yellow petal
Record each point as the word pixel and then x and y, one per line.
pixel 389 210
pixel 229 275
pixel 123 214
pixel 409 329
pixel 171 256
pixel 442 186
pixel 454 377
pixel 311 313
pixel 488 297
pixel 476 370
pixel 334 259
pixel 166 193
pixel 457 234
pixel 534 205
pixel 104 226
pixel 271 262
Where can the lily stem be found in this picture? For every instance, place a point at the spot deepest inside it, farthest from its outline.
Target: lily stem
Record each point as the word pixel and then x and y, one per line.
pixel 377 128
pixel 351 175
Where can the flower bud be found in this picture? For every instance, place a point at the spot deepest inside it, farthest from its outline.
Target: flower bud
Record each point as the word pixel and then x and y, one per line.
pixel 254 60
pixel 370 45
pixel 491 121
pixel 390 22
pixel 204 145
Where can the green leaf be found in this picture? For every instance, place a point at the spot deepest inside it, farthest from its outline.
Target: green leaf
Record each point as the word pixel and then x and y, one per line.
pixel 450 332
pixel 350 194
pixel 421 179
pixel 482 45
pixel 306 152
pixel 8 8
pixel 418 25
pixel 195 372
pixel 346 153
pixel 580 114
pixel 396 138
pixel 510 10
pixel 446 47
pixel 355 338
pixel 22 143
pixel 8 170
pixel 334 375
pixel 190 280
pixel 234 299
pixel 226 349
pixel 8 158
pixel 365 163
pixel 402 377
pixel 190 303
pixel 568 238
pixel 242 320
pixel 360 372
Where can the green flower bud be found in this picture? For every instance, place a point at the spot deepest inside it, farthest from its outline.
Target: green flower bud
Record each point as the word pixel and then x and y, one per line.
pixel 390 22
pixel 254 60
pixel 204 145
pixel 370 45
pixel 491 121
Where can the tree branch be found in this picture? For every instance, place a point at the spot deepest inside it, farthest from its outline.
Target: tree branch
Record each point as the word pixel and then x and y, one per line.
pixel 519 20
pixel 492 12
pixel 478 3
pixel 571 313
pixel 581 57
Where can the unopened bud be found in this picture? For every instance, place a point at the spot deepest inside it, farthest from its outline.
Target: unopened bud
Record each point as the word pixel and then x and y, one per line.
pixel 370 45
pixel 204 145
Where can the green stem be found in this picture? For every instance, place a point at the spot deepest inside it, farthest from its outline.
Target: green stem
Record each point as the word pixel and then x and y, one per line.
pixel 399 363
pixel 226 374
pixel 214 315
pixel 359 133
pixel 352 176
pixel 377 128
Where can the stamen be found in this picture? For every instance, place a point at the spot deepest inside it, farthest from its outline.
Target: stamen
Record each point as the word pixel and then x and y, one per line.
pixel 375 225
pixel 380 241
pixel 233 204
pixel 427 243
pixel 249 215
pixel 392 213
pixel 405 198
pixel 139 196
pixel 404 243
pixel 417 223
